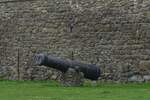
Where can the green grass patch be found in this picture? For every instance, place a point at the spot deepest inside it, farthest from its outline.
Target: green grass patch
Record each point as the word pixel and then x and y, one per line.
pixel 50 90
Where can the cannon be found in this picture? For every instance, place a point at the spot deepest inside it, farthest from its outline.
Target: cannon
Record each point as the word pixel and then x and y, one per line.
pixel 90 71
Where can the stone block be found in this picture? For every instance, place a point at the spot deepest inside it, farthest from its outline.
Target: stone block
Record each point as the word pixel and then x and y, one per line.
pixel 136 78
pixel 5 72
pixel 144 65
pixel 146 78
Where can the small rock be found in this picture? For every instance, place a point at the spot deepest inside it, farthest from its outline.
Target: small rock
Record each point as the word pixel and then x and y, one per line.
pixel 54 77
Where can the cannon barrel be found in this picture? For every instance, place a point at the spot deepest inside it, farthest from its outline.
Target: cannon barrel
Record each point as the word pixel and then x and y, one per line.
pixel 90 71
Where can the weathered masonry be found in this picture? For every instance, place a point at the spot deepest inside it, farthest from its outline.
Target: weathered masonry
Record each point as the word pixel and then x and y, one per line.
pixel 114 34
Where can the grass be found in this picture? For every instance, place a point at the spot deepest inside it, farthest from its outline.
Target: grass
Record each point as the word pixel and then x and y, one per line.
pixel 49 90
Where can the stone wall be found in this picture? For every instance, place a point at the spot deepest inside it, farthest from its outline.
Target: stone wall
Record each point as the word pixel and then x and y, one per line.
pixel 114 34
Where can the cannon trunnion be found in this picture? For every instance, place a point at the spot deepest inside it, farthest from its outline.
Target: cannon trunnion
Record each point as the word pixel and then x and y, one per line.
pixel 90 71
